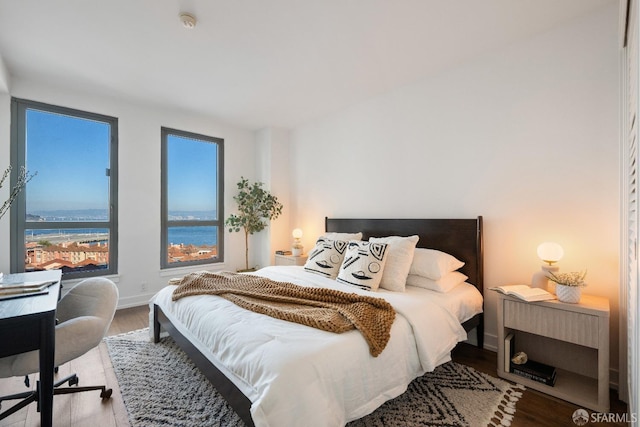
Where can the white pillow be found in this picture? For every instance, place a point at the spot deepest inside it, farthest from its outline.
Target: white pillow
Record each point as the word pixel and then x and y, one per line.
pixel 433 264
pixel 326 257
pixel 363 265
pixel 399 260
pixel 444 285
pixel 343 236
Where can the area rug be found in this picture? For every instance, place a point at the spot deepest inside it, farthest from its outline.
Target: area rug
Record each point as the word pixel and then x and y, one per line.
pixel 162 387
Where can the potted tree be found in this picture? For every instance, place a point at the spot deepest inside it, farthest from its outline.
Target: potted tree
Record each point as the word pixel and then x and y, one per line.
pixel 256 206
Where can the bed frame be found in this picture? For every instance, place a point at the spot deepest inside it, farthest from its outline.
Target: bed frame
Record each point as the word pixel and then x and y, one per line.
pixel 461 238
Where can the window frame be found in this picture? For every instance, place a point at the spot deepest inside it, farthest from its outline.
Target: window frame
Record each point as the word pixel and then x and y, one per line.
pixel 165 223
pixel 18 220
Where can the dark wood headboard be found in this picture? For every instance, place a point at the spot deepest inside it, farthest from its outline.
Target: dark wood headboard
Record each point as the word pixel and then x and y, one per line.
pixel 461 238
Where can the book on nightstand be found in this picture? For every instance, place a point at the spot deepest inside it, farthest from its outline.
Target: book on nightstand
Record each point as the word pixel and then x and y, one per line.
pixel 283 252
pixel 536 371
pixel 525 292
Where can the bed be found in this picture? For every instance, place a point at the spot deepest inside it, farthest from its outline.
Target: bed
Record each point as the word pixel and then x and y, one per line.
pixel 282 372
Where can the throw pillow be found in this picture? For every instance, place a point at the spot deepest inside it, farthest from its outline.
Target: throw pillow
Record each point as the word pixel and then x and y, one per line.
pixel 342 236
pixel 326 257
pixel 399 260
pixel 363 265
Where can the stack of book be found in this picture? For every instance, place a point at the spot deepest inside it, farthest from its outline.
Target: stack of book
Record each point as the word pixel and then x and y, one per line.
pixel 283 252
pixel 536 371
pixel 12 289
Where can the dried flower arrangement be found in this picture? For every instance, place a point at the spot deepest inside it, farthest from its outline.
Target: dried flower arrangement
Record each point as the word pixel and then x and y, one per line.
pixel 574 278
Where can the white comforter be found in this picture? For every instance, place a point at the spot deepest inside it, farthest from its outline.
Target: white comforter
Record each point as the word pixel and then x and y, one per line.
pixel 296 374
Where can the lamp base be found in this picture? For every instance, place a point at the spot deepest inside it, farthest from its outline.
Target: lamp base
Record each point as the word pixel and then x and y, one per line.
pixel 296 251
pixel 541 280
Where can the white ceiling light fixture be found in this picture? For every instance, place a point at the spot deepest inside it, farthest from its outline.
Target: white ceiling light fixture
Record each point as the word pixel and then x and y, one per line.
pixel 188 21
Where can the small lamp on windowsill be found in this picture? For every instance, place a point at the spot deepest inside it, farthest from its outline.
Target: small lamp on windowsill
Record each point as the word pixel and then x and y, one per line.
pixel 550 253
pixel 296 249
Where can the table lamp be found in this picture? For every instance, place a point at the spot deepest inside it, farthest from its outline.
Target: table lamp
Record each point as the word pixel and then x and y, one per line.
pixel 296 249
pixel 550 253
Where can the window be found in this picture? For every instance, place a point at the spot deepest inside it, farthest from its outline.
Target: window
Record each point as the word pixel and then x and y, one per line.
pixel 192 199
pixel 66 218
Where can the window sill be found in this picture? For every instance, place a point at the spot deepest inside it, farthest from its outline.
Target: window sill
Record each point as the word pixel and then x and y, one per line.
pixel 178 271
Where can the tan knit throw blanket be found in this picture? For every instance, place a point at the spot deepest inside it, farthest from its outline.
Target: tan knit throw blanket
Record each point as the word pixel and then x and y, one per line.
pixel 327 309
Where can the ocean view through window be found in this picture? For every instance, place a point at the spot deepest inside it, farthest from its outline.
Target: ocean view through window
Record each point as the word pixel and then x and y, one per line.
pixel 192 194
pixel 67 217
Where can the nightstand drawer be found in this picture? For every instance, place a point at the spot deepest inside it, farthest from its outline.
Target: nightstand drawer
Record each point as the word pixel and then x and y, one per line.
pixel 290 260
pixel 577 328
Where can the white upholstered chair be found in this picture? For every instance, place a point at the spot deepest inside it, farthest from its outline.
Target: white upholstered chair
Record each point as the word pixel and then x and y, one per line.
pixel 84 314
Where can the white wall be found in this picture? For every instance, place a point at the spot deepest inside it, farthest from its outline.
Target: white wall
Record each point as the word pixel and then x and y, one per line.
pixel 272 169
pixel 5 152
pixel 4 77
pixel 526 137
pixel 139 180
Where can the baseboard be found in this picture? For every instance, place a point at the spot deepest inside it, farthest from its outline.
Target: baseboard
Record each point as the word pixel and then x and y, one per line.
pixel 614 379
pixel 491 342
pixel 135 301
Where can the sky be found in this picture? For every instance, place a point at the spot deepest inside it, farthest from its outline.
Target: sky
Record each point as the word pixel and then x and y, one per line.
pixel 192 177
pixel 71 156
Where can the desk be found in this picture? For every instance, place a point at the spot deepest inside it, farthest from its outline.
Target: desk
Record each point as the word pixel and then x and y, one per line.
pixel 29 323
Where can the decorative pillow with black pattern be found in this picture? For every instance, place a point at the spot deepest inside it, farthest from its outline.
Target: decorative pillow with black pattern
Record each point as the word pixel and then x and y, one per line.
pixel 363 265
pixel 326 257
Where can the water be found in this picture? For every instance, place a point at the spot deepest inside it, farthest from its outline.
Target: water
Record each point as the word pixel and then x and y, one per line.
pixel 59 235
pixel 64 231
pixel 197 236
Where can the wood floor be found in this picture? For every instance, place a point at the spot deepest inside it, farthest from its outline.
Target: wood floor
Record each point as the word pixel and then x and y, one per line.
pixel 87 409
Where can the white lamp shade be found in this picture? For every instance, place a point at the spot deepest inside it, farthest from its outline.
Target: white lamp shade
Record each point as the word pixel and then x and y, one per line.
pixel 297 233
pixel 550 252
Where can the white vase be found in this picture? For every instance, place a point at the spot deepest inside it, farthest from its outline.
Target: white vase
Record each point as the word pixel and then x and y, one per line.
pixel 570 294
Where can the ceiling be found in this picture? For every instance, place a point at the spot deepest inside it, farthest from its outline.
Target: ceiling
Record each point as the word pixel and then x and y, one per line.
pixel 260 63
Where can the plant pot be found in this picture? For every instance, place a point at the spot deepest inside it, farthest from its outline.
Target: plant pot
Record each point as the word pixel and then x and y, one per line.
pixel 570 294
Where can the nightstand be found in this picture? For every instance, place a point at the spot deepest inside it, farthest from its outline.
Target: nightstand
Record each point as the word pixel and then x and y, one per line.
pixel 574 338
pixel 290 260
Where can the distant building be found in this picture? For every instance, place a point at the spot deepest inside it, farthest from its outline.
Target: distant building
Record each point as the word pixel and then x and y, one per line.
pixel 185 253
pixel 65 254
pixel 74 256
